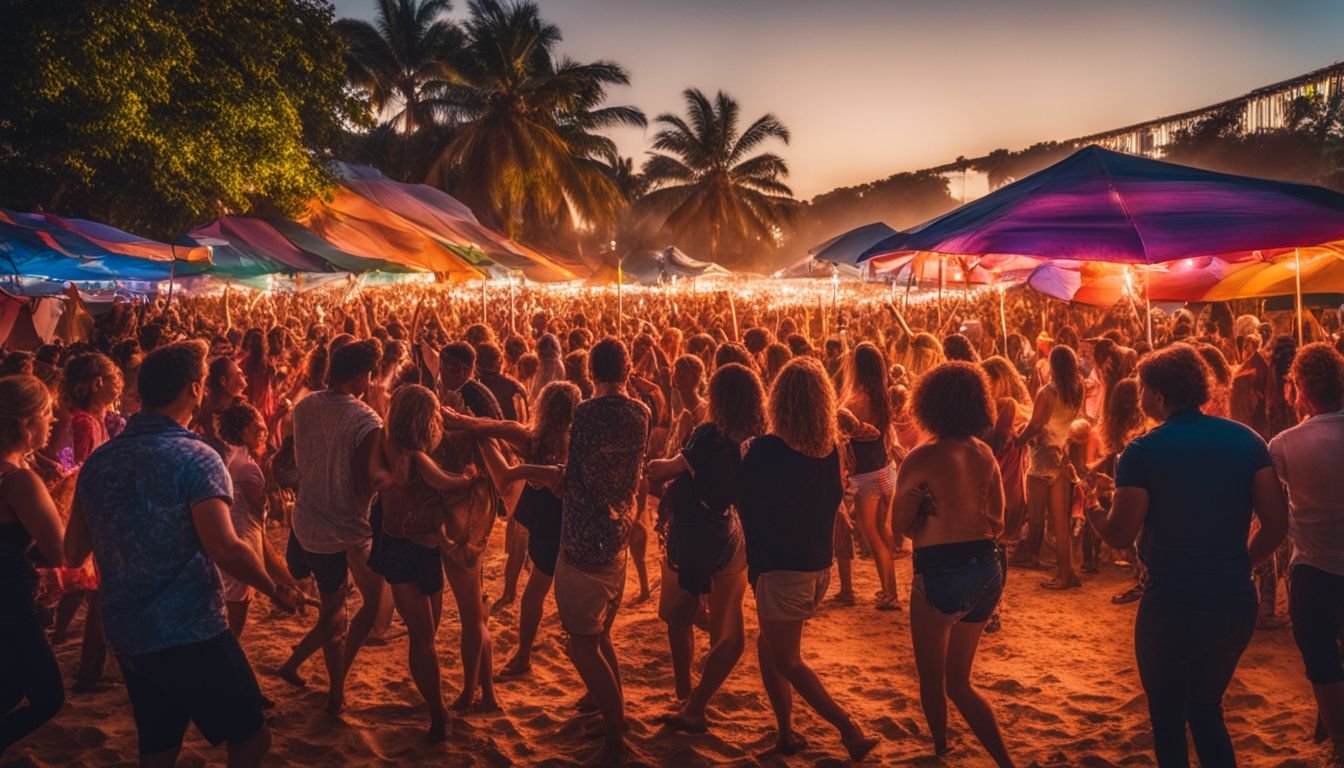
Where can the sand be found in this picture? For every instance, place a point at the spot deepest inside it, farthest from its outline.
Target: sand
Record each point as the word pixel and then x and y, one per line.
pixel 1061 676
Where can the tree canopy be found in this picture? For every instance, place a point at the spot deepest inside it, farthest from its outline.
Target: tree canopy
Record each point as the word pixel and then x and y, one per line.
pixel 155 115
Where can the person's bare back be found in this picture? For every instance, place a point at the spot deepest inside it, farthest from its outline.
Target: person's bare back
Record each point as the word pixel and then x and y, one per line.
pixel 949 491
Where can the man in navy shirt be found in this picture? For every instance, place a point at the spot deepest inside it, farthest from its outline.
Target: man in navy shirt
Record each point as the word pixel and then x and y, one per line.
pixel 1192 485
pixel 152 505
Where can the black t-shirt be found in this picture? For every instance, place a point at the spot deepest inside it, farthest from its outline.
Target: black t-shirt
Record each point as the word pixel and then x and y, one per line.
pixel 788 503
pixel 479 401
pixel 504 388
pixel 1198 473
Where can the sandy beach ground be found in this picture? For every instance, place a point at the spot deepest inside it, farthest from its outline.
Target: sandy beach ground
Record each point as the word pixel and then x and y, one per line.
pixel 1061 676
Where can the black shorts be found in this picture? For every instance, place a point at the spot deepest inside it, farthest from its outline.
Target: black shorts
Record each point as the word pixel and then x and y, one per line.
pixel 962 580
pixel 401 561
pixel 208 683
pixel 543 553
pixel 1316 604
pixel 332 571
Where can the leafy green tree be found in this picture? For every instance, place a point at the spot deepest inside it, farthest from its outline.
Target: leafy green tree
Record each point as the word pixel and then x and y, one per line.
pixel 527 154
pixel 710 193
pixel 155 115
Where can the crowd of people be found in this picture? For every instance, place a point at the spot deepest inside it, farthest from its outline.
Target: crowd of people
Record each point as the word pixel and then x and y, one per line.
pixel 381 434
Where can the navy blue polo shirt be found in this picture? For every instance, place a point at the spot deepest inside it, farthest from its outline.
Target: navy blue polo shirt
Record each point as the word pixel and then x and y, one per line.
pixel 1198 473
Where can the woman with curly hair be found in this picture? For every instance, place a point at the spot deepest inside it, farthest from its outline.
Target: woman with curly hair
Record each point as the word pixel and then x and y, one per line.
pixel 242 431
pixel 949 497
pixel 1049 476
pixel 705 554
pixel 1188 490
pixel 90 385
pixel 413 533
pixel 544 447
pixel 1307 460
pixel 873 477
pixel 790 491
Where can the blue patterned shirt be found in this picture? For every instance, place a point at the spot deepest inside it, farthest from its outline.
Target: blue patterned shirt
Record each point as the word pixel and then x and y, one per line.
pixel 159 587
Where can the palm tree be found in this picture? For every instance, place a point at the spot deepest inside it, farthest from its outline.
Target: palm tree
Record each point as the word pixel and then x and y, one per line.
pixel 528 148
pixel 706 188
pixel 401 59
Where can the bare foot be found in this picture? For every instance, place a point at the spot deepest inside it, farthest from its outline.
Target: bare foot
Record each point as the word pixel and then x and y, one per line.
pixel 503 602
pixel 438 732
pixel 611 756
pixel 844 599
pixel 682 723
pixel 335 703
pixel 290 676
pixel 487 706
pixel 790 743
pixel 859 745
pixel 463 702
pixel 514 668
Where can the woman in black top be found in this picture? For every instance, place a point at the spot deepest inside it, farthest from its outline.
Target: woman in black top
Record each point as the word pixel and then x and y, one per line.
pixel 873 477
pixel 704 545
pixel 27 516
pixel 544 445
pixel 790 491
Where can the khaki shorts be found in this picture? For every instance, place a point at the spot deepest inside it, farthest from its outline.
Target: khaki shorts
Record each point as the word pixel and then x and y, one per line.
pixel 790 595
pixel 587 600
pixel 680 608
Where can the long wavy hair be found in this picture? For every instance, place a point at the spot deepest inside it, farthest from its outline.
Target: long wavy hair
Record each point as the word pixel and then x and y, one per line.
pixel 802 409
pixel 737 402
pixel 1124 415
pixel 552 415
pixel 925 352
pixel 414 422
pixel 1004 380
pixel 1064 372
pixel 866 375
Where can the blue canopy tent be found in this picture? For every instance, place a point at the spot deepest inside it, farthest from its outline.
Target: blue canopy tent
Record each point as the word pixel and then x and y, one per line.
pixel 849 247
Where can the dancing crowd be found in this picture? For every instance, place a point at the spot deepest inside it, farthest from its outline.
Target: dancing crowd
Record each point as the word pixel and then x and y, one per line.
pixel 192 452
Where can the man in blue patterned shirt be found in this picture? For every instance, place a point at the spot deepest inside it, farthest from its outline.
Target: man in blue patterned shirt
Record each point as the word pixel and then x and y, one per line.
pixel 153 505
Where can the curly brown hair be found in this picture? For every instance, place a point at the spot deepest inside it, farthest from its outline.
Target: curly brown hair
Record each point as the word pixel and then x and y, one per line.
pixel 952 400
pixel 802 408
pixel 1179 374
pixel 737 402
pixel 414 422
pixel 79 375
pixel 1123 418
pixel 552 415
pixel 232 422
pixel 1318 372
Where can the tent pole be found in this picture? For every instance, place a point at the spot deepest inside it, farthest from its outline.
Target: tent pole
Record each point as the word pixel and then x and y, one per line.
pixel 1297 274
pixel 940 292
pixel 1003 319
pixel 1147 302
pixel 620 296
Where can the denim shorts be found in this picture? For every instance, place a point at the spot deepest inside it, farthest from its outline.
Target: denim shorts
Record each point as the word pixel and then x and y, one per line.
pixel 962 580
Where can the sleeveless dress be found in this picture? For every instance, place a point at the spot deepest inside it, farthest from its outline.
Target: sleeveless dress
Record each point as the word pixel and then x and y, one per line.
pixel 1046 459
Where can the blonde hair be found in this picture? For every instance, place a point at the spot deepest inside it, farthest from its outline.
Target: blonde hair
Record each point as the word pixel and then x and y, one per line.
pixel 925 353
pixel 22 397
pixel 802 408
pixel 1005 381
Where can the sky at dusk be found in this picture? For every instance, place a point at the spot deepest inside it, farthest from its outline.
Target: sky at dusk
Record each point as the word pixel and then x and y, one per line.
pixel 870 88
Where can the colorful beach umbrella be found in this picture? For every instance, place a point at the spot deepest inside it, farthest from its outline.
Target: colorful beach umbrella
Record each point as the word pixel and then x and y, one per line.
pixel 1099 205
